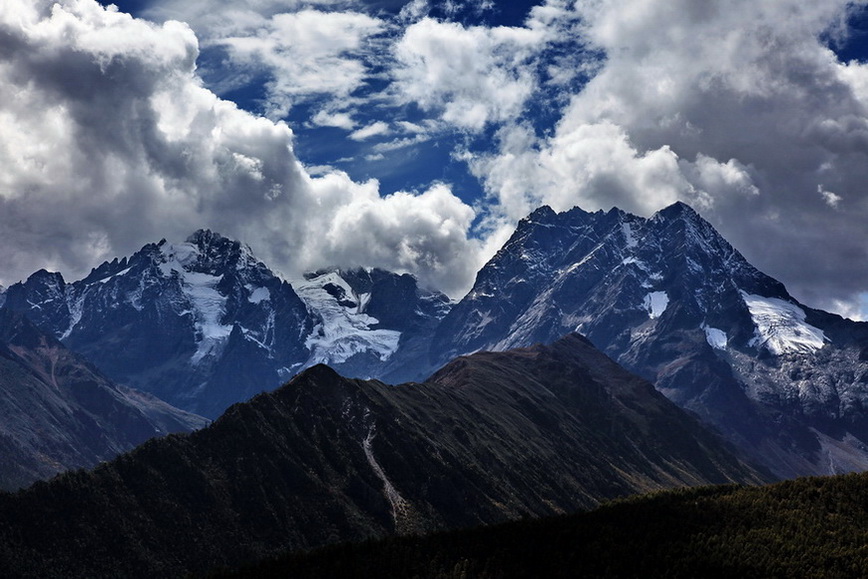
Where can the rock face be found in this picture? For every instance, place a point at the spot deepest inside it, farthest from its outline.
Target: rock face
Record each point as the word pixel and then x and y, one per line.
pixel 671 300
pixel 490 437
pixel 204 324
pixel 58 412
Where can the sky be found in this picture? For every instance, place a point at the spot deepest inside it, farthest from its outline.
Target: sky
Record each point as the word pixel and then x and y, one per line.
pixel 413 135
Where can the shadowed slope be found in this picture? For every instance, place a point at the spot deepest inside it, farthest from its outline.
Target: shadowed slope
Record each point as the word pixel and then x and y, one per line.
pixel 58 412
pixel 811 527
pixel 490 437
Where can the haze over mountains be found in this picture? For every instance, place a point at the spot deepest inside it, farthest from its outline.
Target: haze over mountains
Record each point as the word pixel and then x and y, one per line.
pixel 203 324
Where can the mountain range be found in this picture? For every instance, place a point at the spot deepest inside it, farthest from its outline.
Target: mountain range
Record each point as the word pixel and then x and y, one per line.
pixel 488 438
pixel 203 324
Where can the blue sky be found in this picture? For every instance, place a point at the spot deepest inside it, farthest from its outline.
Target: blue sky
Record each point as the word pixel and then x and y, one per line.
pixel 414 135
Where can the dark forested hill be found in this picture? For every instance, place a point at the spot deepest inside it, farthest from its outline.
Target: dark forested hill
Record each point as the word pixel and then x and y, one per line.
pixel 816 527
pixel 489 438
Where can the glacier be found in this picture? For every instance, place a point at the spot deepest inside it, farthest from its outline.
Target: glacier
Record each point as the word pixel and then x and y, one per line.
pixel 344 330
pixel 781 327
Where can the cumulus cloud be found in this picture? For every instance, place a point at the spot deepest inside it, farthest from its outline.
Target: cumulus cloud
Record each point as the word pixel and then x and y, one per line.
pixel 341 120
pixel 306 53
pixel 469 76
pixel 110 141
pixel 376 129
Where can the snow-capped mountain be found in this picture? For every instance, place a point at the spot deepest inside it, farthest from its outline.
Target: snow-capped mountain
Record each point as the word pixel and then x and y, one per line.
pixel 670 299
pixel 201 324
pixel 204 324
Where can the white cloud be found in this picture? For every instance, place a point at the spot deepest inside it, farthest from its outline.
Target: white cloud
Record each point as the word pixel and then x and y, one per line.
pixel 375 129
pixel 831 199
pixel 104 149
pixel 339 120
pixel 469 76
pixel 307 52
pixel 424 233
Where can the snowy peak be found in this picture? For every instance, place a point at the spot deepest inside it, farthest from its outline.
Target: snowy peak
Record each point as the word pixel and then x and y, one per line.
pixel 669 298
pixel 207 252
pixel 201 323
pixel 542 215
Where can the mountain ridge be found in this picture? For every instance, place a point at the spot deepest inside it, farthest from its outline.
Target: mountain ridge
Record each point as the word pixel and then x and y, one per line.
pixel 493 437
pixel 59 412
pixel 666 296
pixel 203 323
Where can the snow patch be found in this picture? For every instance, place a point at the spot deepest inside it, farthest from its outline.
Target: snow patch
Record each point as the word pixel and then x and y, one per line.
pixel 258 295
pixel 114 275
pixel 629 236
pixel 656 303
pixel 781 327
pixel 344 330
pixel 716 338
